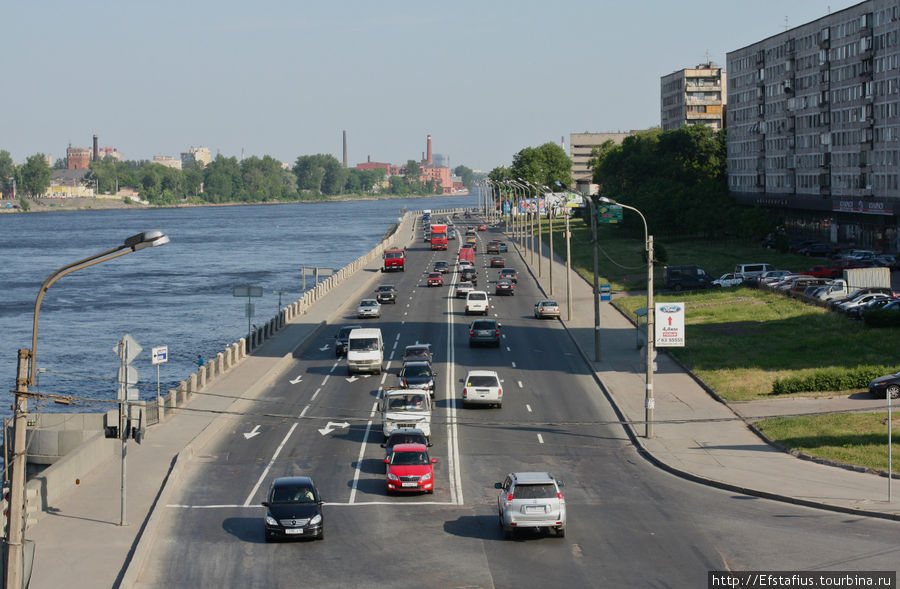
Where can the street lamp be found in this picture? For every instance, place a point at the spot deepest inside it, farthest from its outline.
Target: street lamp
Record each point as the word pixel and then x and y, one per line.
pixel 649 401
pixel 550 220
pixel 530 219
pixel 25 376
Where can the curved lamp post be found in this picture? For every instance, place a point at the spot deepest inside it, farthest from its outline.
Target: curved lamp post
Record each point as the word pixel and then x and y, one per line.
pixel 26 365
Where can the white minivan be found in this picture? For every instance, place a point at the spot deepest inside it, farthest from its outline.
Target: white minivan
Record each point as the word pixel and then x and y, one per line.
pixel 752 271
pixel 477 302
pixel 365 351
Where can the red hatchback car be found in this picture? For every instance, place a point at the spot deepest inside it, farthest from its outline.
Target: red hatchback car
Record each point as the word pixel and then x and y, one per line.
pixel 435 279
pixel 482 227
pixel 409 468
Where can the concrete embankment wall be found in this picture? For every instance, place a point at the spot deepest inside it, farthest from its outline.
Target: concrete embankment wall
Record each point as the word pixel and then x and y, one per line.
pixel 93 448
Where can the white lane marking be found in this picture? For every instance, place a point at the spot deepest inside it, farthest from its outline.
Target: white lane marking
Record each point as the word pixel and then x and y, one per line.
pixel 520 383
pixel 335 365
pixel 507 348
pixel 313 398
pixel 272 461
pixel 395 346
pixel 383 377
pixel 540 439
pixel 324 380
pixel 397 339
pixel 453 466
pixel 527 406
pixel 513 364
pixel 362 452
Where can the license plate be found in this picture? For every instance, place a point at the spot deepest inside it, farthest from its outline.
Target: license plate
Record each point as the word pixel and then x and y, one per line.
pixel 293 531
pixel 409 484
pixel 535 509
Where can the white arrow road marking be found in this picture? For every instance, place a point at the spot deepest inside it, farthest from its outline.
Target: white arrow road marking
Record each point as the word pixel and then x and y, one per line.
pixel 328 429
pixel 323 348
pixel 254 432
pixel 352 379
pixel 296 380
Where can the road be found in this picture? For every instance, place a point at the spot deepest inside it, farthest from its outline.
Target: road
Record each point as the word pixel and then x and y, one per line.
pixel 629 524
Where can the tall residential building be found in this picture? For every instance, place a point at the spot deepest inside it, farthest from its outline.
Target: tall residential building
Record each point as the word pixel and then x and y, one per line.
pixel 582 146
pixel 201 155
pixel 814 125
pixel 693 96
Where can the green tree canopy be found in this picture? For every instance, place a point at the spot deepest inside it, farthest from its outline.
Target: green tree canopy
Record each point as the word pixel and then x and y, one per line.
pixel 544 165
pixel 36 175
pixel 466 175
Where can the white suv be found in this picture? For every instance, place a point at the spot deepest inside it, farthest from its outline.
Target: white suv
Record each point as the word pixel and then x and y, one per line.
pixel 531 500
pixel 482 387
pixel 477 302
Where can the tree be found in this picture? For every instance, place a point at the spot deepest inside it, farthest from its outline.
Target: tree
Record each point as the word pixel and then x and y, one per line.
pixel 466 175
pixel 7 172
pixel 222 180
pixel 36 175
pixel 543 165
pixel 320 174
pixel 413 172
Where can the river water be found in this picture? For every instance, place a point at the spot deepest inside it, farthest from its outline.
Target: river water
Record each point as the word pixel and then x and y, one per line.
pixel 179 295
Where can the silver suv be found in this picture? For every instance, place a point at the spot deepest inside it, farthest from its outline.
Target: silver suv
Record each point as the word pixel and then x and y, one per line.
pixel 531 500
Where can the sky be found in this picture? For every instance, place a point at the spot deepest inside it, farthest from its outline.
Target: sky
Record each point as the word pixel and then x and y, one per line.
pixel 486 78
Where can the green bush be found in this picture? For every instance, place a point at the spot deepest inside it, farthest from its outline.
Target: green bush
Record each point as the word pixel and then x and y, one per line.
pixel 24 204
pixel 833 378
pixel 882 318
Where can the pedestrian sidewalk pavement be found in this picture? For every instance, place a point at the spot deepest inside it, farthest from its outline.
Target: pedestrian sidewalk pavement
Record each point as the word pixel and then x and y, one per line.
pixel 697 435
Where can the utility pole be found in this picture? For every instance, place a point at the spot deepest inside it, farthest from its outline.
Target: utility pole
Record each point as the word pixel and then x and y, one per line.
pixel 650 402
pixel 15 535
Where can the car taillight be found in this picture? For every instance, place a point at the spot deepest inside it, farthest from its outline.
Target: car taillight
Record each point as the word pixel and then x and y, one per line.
pixel 497 332
pixel 559 495
pixel 509 497
pixel 499 392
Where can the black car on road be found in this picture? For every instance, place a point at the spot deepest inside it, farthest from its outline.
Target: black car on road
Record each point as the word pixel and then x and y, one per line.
pixel 293 510
pixel 340 339
pixel 386 293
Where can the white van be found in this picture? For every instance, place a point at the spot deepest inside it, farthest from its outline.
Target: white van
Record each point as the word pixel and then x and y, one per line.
pixel 477 302
pixel 365 351
pixel 752 271
pixel 406 409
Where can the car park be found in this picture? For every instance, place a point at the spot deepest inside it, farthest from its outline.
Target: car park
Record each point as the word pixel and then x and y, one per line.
pixel 418 375
pixel 497 262
pixel 386 293
pixel 441 266
pixel 477 302
pixel 484 332
pixel 404 436
pixel 293 510
pixel 482 387
pixel 531 500
pixel 547 308
pixel 341 338
pixel 368 308
pixel 509 274
pixel 728 280
pixel 405 409
pixel 410 468
pixel 464 288
pixel 886 386
pixel 417 353
pixel 435 279
pixel 504 287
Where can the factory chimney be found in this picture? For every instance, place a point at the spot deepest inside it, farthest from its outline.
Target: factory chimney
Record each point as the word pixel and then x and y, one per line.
pixel 96 149
pixel 428 160
pixel 345 149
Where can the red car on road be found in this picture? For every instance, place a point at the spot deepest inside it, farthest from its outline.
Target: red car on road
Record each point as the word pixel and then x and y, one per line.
pixel 409 468
pixel 482 227
pixel 435 279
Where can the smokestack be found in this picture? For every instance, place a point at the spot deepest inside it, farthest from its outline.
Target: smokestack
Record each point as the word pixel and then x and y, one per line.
pixel 96 148
pixel 428 159
pixel 345 149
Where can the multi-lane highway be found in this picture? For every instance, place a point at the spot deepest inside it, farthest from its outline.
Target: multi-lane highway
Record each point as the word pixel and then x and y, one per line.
pixel 629 524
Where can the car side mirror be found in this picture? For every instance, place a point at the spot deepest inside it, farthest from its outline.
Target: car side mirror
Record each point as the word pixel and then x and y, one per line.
pixel 560 483
pixel 498 485
pixel 386 460
pixel 430 444
pixel 265 503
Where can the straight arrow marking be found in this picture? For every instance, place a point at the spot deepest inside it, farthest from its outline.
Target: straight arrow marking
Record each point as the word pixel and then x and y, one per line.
pixel 254 432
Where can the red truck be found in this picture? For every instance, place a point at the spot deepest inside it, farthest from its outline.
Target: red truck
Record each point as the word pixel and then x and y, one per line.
pixel 438 237
pixel 466 254
pixel 394 259
pixel 822 272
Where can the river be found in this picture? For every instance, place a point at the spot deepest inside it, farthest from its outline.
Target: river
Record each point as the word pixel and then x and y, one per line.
pixel 179 295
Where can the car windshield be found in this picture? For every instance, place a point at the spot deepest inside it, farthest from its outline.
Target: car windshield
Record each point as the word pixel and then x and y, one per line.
pixel 434 275
pixel 364 344
pixel 409 458
pixel 415 353
pixel 549 304
pixel 385 288
pixel 485 380
pixel 368 304
pixel 411 402
pixel 293 494
pixel 393 255
pixel 415 371
pixel 406 438
pixel 477 296
pixel 538 491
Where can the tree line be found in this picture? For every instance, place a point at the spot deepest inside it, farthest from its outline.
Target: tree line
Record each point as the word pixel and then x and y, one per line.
pixel 225 179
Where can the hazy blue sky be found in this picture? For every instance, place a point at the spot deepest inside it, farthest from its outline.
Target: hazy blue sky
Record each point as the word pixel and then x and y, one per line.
pixel 284 78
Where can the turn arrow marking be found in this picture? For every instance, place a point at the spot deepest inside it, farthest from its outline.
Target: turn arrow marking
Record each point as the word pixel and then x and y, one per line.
pixel 323 348
pixel 254 432
pixel 296 380
pixel 328 428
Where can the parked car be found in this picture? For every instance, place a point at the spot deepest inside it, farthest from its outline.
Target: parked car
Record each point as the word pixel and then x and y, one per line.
pixel 885 386
pixel 293 510
pixel 498 262
pixel 858 292
pixel 546 308
pixel 484 332
pixel 849 306
pixel 509 274
pixel 769 278
pixel 368 308
pixel 341 338
pixel 409 468
pixel 504 287
pixel 874 304
pixel 686 277
pixel 417 353
pixel 818 249
pixel 441 266
pixel 418 375
pixel 482 387
pixel 386 293
pixel 435 279
pixel 822 272
pixel 531 500
pixel 404 436
pixel 477 302
pixel 727 280
pixel 464 288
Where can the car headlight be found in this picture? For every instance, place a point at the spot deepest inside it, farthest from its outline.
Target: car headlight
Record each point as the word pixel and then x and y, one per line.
pixel 271 520
pixel 392 477
pixel 427 477
pixel 316 519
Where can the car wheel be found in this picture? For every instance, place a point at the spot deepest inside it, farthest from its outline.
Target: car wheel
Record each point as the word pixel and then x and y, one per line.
pixel 507 533
pixel 561 532
pixel 499 405
pixel 893 391
pixel 267 537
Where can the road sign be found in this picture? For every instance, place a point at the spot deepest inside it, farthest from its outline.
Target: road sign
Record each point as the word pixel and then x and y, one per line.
pixel 159 355
pixel 605 292
pixel 248 291
pixel 127 376
pixel 609 214
pixel 669 325
pixel 132 348
pixel 250 308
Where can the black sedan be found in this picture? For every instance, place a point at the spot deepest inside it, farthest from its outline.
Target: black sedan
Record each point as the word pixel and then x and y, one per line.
pixel 293 510
pixel 886 385
pixel 505 287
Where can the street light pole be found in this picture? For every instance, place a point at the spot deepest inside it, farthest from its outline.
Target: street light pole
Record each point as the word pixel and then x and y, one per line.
pixel 550 211
pixel 25 377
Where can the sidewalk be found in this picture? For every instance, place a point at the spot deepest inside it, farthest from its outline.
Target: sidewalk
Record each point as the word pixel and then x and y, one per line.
pixel 79 542
pixel 695 435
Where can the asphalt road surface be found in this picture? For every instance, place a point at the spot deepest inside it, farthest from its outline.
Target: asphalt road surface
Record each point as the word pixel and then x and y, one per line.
pixel 629 524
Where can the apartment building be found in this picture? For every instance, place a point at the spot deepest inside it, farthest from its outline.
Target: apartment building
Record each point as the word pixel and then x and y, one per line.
pixel 814 125
pixel 581 147
pixel 693 96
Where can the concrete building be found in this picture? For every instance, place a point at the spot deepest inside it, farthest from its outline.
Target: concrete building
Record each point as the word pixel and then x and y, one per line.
pixel 582 146
pixel 168 161
pixel 200 155
pixel 78 158
pixel 693 96
pixel 814 125
pixel 109 153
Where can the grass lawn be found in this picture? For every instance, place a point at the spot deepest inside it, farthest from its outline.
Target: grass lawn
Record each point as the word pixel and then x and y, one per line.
pixel 854 438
